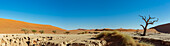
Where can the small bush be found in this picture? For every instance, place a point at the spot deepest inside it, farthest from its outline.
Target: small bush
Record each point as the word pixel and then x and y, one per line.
pixel 85 32
pixel 54 31
pixel 26 31
pixel 102 35
pixel 41 31
pixel 82 32
pixel 34 31
pixel 66 32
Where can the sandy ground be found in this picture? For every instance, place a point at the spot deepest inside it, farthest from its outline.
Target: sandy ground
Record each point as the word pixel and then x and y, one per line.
pixel 159 36
pixel 49 40
pixel 65 39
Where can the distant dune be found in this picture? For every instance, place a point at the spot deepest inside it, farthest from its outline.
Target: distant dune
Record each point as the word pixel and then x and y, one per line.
pixel 120 29
pixel 164 28
pixel 106 29
pixel 14 26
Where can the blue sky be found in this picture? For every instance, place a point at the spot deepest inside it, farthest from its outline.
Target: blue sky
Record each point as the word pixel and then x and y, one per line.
pixel 88 14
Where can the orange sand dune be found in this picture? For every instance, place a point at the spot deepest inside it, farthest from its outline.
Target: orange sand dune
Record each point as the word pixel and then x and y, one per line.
pixel 13 26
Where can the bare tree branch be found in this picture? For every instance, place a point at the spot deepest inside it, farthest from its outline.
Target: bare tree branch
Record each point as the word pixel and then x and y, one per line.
pixel 153 21
pixel 150 18
pixel 147 21
pixel 157 19
pixel 143 17
pixel 142 26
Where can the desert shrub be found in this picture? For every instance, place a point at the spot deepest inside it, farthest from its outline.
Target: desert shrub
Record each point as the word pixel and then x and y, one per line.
pixel 82 33
pixel 118 39
pixel 26 31
pixel 54 31
pixel 66 32
pixel 102 35
pixel 78 33
pixel 96 32
pixel 41 31
pixel 90 32
pixel 128 40
pixel 34 31
pixel 85 32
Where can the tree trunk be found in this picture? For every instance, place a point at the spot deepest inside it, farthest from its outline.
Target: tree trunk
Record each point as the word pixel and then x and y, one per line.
pixel 144 33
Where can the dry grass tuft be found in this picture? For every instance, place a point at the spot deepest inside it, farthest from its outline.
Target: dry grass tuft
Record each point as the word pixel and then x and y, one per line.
pixel 101 35
pixel 118 39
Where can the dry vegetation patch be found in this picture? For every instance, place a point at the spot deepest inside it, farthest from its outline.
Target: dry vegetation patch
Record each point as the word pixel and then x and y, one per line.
pixel 118 39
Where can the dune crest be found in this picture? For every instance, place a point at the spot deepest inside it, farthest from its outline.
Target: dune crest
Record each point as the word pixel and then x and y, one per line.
pixel 14 26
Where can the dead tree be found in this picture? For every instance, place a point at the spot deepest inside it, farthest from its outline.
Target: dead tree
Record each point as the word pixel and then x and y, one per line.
pixel 147 22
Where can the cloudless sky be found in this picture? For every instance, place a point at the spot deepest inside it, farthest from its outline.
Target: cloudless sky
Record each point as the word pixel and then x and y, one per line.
pixel 87 14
